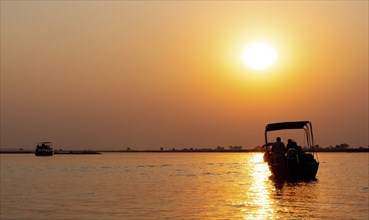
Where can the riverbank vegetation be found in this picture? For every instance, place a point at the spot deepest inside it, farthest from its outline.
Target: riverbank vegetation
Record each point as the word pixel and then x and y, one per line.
pixel 338 148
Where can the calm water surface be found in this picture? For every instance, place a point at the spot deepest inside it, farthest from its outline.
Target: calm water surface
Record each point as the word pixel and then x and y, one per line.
pixel 178 186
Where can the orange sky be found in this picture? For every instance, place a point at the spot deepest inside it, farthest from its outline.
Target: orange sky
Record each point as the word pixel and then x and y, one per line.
pixel 146 75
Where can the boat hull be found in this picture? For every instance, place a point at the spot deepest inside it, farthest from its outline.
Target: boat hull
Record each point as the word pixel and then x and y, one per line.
pixel 44 153
pixel 285 169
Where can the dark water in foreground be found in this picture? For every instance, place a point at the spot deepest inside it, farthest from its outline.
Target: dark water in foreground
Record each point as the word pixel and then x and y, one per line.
pixel 178 186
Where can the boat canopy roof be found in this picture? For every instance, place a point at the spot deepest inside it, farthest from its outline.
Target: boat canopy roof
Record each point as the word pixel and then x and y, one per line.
pixel 287 125
pixel 45 142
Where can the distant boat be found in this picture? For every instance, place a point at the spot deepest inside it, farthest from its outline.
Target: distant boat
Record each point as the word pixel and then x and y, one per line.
pixel 44 149
pixel 294 164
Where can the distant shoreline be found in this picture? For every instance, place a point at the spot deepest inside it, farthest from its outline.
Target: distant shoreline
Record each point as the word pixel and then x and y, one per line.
pixel 71 152
pixel 92 152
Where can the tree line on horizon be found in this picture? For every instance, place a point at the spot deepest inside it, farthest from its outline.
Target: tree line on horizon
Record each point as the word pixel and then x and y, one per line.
pixel 337 148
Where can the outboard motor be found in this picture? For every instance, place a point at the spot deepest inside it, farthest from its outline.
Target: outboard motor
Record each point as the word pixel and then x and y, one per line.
pixel 293 162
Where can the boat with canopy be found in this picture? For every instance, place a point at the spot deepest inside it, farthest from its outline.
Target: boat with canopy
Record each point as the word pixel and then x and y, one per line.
pixel 293 163
pixel 44 149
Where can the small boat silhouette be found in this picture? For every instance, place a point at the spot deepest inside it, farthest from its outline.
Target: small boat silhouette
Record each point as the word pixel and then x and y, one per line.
pixel 291 163
pixel 44 149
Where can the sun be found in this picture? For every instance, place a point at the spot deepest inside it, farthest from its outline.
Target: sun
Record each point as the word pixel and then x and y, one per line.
pixel 259 55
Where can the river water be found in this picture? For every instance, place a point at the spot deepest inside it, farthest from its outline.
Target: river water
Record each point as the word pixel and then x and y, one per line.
pixel 178 186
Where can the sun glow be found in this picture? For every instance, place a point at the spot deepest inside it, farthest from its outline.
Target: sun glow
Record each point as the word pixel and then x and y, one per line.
pixel 259 55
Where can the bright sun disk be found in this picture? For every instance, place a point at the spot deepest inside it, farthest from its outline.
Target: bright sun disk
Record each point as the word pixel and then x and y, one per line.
pixel 259 55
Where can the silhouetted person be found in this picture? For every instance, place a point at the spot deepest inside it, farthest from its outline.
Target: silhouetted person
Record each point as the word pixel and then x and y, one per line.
pixel 291 144
pixel 293 160
pixel 278 147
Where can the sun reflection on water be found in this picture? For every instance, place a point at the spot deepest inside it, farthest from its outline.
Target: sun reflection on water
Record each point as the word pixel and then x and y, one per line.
pixel 259 204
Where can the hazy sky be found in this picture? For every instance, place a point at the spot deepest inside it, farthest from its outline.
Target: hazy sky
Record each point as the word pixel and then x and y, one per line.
pixel 144 75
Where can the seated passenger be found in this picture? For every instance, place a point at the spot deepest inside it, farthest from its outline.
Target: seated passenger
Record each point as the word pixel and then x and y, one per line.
pixel 278 147
pixel 292 153
pixel 291 144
